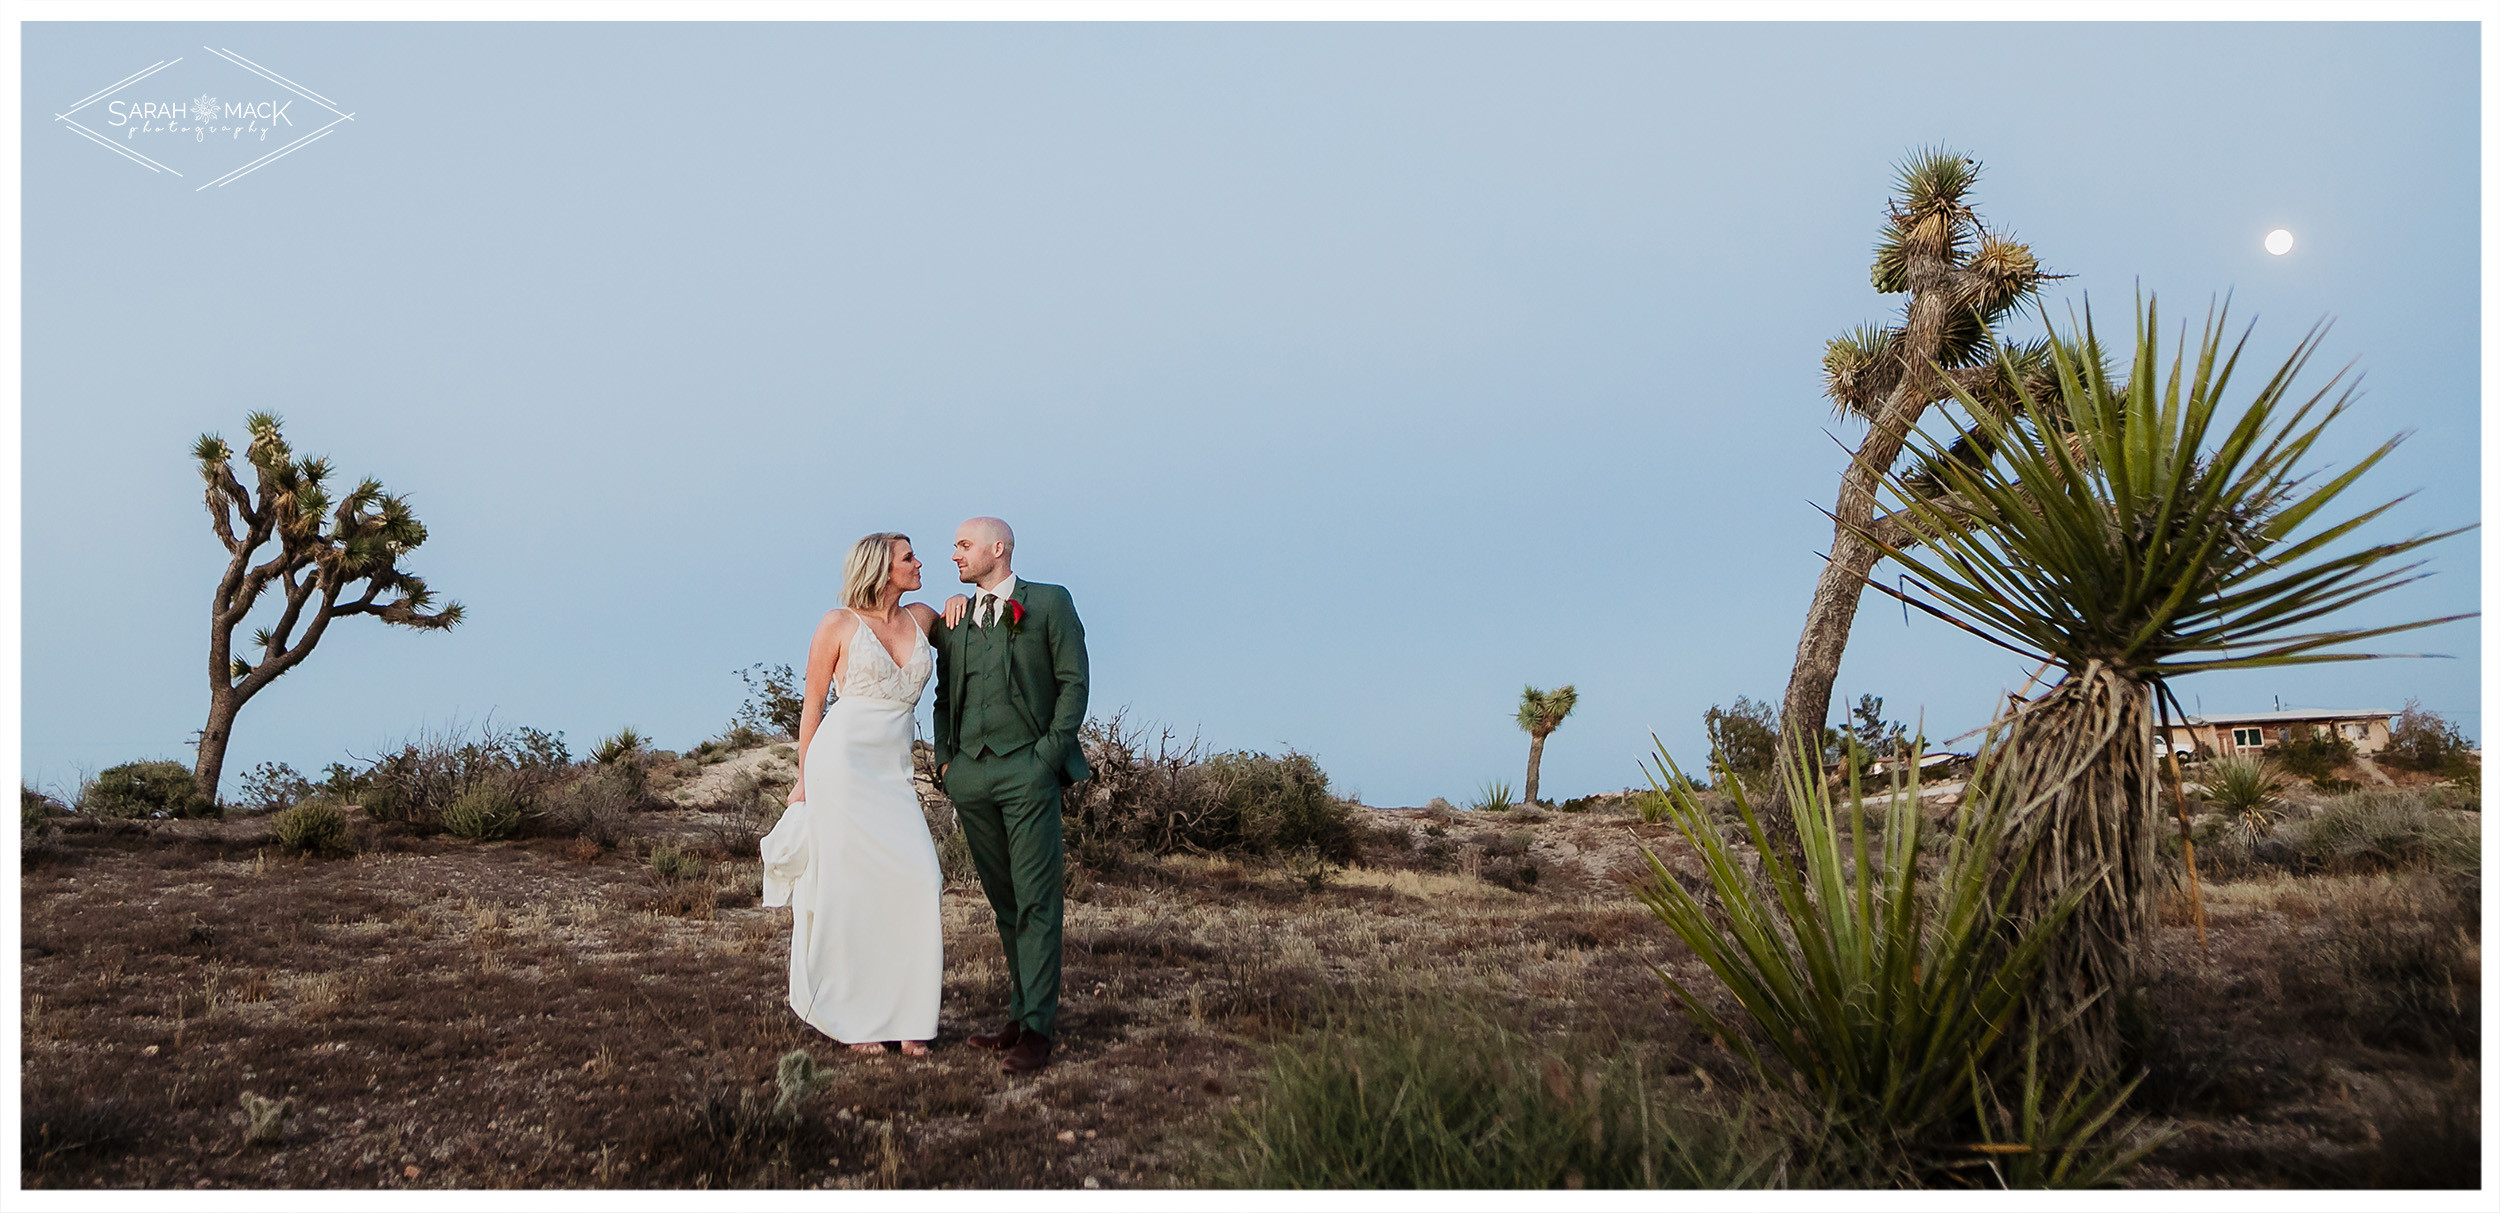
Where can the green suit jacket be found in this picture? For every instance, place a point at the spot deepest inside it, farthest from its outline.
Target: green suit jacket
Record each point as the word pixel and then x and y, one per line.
pixel 1045 678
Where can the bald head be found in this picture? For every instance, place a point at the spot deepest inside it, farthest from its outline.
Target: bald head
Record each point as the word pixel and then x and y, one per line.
pixel 985 551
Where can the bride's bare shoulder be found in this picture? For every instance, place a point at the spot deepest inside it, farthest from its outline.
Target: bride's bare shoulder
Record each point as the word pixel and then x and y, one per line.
pixel 924 614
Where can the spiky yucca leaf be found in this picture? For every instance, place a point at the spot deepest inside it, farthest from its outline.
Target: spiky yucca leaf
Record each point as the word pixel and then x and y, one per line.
pixel 1929 216
pixel 1860 367
pixel 2158 535
pixel 2059 1142
pixel 1871 986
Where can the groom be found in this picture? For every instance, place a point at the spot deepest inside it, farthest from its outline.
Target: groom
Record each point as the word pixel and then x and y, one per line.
pixel 1010 695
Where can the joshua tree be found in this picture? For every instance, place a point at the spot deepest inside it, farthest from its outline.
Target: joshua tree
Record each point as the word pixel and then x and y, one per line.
pixel 1540 713
pixel 324 551
pixel 2129 535
pixel 1961 278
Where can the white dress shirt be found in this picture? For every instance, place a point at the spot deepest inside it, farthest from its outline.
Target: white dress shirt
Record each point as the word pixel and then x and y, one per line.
pixel 1005 590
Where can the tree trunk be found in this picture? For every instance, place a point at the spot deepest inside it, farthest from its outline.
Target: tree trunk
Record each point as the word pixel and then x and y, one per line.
pixel 1829 619
pixel 2075 770
pixel 1536 754
pixel 1808 700
pixel 223 703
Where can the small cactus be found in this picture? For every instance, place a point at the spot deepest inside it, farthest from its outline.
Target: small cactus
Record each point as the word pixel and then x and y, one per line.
pixel 268 1119
pixel 798 1077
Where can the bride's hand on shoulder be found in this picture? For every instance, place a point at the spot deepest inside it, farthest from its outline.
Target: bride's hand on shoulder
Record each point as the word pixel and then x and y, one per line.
pixel 956 606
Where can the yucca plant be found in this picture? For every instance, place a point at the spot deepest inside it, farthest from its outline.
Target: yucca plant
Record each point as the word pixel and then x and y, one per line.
pixel 1540 713
pixel 1876 992
pixel 2020 1141
pixel 2129 532
pixel 2245 786
pixel 1493 797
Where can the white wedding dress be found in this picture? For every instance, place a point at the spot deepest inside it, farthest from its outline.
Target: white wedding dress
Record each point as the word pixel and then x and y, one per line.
pixel 855 864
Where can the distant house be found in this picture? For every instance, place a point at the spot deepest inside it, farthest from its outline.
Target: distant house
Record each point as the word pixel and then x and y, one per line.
pixel 1929 763
pixel 2253 732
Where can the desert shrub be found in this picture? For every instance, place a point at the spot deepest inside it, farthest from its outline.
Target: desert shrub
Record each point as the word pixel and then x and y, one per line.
pixel 62 1124
pixel 723 1138
pixel 775 700
pixel 34 808
pixel 670 863
pixel 598 807
pixel 1309 869
pixel 147 789
pixel 1494 796
pixel 1578 804
pixel 1162 796
pixel 2422 740
pixel 315 824
pixel 2399 965
pixel 418 783
pixel 1887 997
pixel 493 807
pixel 1280 803
pixel 1518 876
pixel 1431 1096
pixel 954 854
pixel 735 738
pixel 751 810
pixel 2389 828
pixel 1744 739
pixel 272 786
pixel 2424 1143
pixel 2315 757
pixel 1146 794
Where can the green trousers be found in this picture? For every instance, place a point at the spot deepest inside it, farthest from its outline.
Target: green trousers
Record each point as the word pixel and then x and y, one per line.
pixel 1008 805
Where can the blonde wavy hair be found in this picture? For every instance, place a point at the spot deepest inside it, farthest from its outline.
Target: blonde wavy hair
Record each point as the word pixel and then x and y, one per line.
pixel 869 566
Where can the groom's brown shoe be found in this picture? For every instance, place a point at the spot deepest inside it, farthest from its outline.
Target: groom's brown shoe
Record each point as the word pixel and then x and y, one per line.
pixel 1004 1038
pixel 1030 1052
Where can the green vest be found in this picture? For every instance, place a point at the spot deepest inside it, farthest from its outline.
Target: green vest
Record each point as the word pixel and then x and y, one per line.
pixel 990 717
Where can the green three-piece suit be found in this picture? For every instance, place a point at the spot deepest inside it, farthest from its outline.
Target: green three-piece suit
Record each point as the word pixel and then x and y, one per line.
pixel 1010 698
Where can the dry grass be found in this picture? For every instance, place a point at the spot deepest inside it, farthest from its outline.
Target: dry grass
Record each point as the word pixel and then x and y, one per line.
pixel 510 1014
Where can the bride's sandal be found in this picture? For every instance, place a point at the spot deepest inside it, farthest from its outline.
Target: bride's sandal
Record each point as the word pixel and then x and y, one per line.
pixel 915 1048
pixel 869 1050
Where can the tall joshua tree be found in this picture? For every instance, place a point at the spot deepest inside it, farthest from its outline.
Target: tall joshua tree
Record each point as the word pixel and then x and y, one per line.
pixel 1961 278
pixel 1540 713
pixel 2130 534
pixel 325 552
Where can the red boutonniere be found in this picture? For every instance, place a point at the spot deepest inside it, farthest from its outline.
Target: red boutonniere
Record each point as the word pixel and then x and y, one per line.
pixel 1015 617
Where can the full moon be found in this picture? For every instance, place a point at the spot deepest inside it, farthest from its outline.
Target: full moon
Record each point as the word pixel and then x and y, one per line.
pixel 2279 241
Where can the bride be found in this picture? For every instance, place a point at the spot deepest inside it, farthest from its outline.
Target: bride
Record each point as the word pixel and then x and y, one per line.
pixel 851 856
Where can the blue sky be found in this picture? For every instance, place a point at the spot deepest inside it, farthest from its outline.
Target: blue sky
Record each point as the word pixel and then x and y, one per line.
pixel 1350 376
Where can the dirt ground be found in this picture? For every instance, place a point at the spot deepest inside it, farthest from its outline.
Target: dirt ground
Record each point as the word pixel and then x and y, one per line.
pixel 537 1013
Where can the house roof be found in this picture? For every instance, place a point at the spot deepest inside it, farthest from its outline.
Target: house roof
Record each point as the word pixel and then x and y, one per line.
pixel 2289 716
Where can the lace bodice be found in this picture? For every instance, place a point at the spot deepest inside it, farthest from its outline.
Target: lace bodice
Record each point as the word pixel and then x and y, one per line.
pixel 870 673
